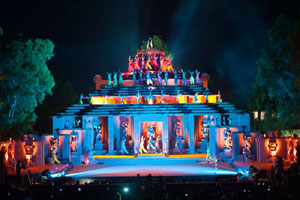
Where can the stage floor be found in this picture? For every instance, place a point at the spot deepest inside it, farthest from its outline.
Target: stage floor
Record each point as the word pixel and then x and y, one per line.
pixel 185 169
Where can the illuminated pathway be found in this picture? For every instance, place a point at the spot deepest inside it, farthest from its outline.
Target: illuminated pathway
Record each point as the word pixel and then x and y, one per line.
pixel 191 169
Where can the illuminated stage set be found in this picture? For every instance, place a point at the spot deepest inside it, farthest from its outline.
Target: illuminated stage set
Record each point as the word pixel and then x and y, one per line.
pixel 152 114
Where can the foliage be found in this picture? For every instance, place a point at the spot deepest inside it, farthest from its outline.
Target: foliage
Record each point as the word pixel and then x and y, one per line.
pixel 159 44
pixel 63 96
pixel 25 81
pixel 278 76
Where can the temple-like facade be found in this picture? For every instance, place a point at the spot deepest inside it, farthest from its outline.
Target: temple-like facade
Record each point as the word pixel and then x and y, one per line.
pixel 151 109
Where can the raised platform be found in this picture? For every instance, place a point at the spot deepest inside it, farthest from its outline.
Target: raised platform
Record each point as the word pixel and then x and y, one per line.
pixel 180 169
pixel 159 158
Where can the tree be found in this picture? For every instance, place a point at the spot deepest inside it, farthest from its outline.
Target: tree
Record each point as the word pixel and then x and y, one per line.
pixel 63 96
pixel 278 73
pixel 159 44
pixel 25 80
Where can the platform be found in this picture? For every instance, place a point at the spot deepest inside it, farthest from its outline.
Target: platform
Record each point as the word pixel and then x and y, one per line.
pixel 121 170
pixel 159 158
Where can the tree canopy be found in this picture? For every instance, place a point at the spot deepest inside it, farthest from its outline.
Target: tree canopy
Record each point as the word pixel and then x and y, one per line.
pixel 278 74
pixel 159 44
pixel 25 80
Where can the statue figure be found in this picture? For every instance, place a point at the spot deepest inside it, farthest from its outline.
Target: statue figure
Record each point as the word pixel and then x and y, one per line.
pixel 166 77
pixel 12 108
pixel 120 78
pixel 159 77
pixel 150 135
pixel 125 126
pixel 216 121
pixel 76 123
pixel 175 77
pixel 157 146
pixel 134 78
pixel 67 124
pixel 183 77
pixel 229 121
pixel 224 120
pixel 11 154
pixel 273 145
pixel 115 78
pixel 161 97
pixel 81 99
pixel 227 139
pixel 176 147
pixel 198 80
pixel 138 96
pixel 246 149
pixel 97 126
pixel 54 150
pixel 177 129
pixel 109 78
pixel 141 77
pixel 142 148
pixel 149 81
pixel 150 131
pixel 196 97
pixel 291 150
pixel 74 141
pixel 178 95
pixel 150 44
pixel 123 146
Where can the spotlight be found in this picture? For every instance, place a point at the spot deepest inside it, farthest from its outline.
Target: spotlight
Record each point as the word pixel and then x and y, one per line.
pixel 186 195
pixel 126 189
pixel 79 189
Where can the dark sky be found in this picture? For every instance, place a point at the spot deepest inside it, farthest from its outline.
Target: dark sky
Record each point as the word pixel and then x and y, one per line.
pixel 221 37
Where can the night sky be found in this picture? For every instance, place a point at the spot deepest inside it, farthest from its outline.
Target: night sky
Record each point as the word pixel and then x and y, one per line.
pixel 221 37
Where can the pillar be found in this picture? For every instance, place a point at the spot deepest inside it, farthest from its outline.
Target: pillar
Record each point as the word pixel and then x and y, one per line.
pixel 110 135
pixel 188 131
pixel 136 135
pixel 165 135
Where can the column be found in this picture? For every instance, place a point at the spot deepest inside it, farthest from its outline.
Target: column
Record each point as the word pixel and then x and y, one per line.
pixel 165 135
pixel 110 135
pixel 188 131
pixel 136 134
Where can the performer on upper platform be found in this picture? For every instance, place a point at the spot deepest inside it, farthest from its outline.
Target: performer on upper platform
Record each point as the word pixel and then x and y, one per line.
pixel 149 81
pixel 198 81
pixel 166 77
pixel 175 77
pixel 192 80
pixel 183 77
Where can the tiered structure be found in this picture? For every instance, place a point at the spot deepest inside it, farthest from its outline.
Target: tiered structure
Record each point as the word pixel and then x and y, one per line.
pixel 152 108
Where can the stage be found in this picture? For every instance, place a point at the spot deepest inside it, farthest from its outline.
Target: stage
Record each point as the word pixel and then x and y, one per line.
pixel 180 169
